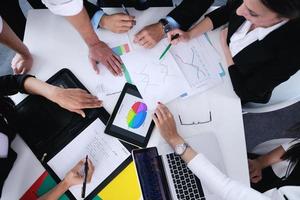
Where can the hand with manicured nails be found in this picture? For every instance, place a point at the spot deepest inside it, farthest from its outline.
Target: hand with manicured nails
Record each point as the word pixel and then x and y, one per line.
pixel 165 122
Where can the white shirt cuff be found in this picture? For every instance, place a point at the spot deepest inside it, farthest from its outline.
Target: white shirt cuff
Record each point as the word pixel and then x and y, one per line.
pixel 3 145
pixel 287 145
pixel 172 22
pixel 64 7
pixel 1 24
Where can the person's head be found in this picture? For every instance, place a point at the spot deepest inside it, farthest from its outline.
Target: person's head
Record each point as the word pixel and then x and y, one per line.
pixel 265 13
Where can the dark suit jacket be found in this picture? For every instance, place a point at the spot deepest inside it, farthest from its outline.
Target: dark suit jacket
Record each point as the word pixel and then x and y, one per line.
pixel 189 11
pixel 9 85
pixel 264 64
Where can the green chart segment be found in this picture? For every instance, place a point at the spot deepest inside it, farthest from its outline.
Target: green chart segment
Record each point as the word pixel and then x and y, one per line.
pixel 121 50
pixel 97 198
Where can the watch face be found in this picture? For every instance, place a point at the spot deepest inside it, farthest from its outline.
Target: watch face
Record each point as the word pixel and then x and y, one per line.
pixel 166 25
pixel 167 28
pixel 180 148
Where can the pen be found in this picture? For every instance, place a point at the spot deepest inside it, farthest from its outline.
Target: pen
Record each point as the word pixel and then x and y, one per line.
pixel 86 169
pixel 173 37
pixel 125 9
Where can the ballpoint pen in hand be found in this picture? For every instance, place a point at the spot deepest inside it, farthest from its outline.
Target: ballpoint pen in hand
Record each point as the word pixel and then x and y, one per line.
pixel 173 37
pixel 125 9
pixel 86 169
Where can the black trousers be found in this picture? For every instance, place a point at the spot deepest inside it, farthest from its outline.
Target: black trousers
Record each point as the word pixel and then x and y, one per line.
pixel 11 12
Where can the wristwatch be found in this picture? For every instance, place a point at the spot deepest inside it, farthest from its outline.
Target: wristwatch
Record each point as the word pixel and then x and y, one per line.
pixel 181 148
pixel 166 26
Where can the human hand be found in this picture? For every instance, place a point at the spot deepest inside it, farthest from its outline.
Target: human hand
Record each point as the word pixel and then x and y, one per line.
pixel 223 37
pixel 117 23
pixel 74 99
pixel 255 169
pixel 75 177
pixel 225 47
pixel 100 52
pixel 165 122
pixel 150 35
pixel 183 36
pixel 21 63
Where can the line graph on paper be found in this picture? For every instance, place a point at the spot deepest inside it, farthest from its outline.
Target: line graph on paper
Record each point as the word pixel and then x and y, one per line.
pixel 102 90
pixel 199 64
pixel 156 80
pixel 154 75
pixel 193 67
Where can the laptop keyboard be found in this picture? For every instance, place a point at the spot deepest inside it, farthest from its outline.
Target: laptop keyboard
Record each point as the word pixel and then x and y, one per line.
pixel 187 185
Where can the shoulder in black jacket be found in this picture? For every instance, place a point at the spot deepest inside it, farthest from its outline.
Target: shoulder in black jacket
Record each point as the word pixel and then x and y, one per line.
pixel 262 65
pixel 189 11
pixel 9 85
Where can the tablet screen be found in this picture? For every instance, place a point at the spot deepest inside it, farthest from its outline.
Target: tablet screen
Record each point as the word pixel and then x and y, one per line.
pixel 131 120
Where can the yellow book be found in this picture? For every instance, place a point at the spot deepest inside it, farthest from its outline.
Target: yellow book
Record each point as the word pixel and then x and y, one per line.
pixel 124 187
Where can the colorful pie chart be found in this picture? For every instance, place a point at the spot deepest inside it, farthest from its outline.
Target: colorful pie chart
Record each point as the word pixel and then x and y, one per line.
pixel 137 115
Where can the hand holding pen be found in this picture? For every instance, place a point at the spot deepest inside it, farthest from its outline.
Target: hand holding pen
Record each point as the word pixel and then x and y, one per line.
pixel 183 36
pixel 118 22
pixel 75 176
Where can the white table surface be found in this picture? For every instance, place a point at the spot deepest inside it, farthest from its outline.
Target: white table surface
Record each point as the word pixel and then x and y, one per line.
pixel 55 44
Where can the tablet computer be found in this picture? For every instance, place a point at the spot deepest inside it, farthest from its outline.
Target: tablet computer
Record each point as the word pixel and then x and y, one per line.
pixel 131 121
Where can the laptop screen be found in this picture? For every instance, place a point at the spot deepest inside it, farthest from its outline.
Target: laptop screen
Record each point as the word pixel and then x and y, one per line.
pixel 151 174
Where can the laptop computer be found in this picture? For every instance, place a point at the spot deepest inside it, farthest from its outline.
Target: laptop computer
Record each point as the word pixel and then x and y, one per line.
pixel 163 175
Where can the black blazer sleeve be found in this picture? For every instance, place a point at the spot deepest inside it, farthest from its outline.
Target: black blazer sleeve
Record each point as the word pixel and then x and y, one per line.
pixel 258 86
pixel 189 11
pixel 12 84
pixel 6 165
pixel 90 8
pixel 222 15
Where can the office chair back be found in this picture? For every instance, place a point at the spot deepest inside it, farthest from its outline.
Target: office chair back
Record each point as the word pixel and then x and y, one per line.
pixel 284 95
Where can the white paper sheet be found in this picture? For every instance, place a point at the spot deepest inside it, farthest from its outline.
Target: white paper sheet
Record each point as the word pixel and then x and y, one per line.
pixel 106 153
pixel 108 84
pixel 199 62
pixel 157 80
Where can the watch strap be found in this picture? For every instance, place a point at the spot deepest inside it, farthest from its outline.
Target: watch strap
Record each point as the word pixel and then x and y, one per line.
pixel 166 26
pixel 179 146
